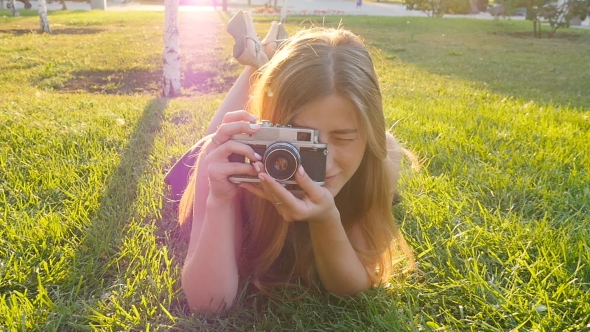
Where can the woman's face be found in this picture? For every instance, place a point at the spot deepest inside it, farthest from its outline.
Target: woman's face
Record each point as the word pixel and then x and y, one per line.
pixel 334 117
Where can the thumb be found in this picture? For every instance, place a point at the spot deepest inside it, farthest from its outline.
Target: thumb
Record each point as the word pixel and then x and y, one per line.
pixel 312 189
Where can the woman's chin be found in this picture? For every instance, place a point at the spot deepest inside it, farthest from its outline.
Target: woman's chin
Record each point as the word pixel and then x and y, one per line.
pixel 333 189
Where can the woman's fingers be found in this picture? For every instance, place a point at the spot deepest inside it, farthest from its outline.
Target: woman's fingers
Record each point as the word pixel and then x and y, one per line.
pixel 236 122
pixel 290 207
pixel 254 189
pixel 274 188
pixel 240 115
pixel 314 201
pixel 220 147
pixel 221 171
pixel 222 152
pixel 227 130
pixel 312 189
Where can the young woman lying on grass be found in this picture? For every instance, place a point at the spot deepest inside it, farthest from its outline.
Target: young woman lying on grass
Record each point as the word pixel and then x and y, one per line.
pixel 341 235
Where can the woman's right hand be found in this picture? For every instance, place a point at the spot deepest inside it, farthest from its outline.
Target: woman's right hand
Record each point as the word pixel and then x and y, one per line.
pixel 220 147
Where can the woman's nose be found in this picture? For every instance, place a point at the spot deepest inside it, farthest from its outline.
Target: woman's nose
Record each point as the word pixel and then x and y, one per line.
pixel 329 159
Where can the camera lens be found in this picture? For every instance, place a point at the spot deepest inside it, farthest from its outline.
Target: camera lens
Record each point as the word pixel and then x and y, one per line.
pixel 281 160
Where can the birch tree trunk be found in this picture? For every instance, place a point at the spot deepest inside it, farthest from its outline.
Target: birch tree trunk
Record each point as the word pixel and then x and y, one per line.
pixel 43 16
pixel 284 12
pixel 12 4
pixel 171 56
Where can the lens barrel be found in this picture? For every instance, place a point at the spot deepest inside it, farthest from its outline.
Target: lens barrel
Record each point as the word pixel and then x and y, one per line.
pixel 281 160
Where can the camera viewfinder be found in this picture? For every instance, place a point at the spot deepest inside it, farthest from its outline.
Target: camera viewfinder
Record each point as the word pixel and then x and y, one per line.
pixel 303 136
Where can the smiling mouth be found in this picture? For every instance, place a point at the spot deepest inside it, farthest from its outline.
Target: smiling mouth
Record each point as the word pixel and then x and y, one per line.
pixel 329 179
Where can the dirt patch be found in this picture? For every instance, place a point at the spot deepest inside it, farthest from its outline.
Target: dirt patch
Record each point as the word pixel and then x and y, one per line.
pixel 203 71
pixel 112 82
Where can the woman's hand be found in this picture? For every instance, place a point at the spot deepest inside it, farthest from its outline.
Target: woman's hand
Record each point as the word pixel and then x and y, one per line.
pixel 316 205
pixel 220 147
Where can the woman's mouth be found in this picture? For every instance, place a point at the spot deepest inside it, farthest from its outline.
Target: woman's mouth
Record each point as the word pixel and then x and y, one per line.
pixel 330 179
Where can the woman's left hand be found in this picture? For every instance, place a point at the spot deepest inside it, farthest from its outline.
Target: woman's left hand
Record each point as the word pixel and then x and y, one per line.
pixel 316 205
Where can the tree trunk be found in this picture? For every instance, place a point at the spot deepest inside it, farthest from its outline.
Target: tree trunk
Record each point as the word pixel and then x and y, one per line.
pixel 43 17
pixel 12 4
pixel 171 56
pixel 474 7
pixel 284 12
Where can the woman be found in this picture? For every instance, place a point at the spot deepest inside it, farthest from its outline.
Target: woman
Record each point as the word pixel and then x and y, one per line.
pixel 341 235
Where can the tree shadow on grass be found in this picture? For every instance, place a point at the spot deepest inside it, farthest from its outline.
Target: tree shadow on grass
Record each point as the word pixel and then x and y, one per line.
pixel 118 204
pixel 175 237
pixel 118 207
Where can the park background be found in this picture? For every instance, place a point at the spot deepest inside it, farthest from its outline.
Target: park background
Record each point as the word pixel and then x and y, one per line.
pixel 497 216
pixel 310 7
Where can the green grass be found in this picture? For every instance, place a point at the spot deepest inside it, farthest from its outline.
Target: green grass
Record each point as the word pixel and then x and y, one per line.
pixel 498 216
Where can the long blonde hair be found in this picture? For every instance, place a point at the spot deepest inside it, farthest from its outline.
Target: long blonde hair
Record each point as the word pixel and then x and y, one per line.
pixel 314 64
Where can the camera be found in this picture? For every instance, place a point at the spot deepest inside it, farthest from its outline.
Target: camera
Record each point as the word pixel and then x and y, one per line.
pixel 283 149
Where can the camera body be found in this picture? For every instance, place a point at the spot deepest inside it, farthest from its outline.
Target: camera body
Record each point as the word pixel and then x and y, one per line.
pixel 283 149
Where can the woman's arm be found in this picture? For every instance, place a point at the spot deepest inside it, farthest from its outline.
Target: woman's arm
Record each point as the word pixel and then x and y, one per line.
pixel 341 270
pixel 210 274
pixel 236 98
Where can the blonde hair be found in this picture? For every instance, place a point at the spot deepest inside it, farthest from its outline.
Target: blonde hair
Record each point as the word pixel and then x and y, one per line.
pixel 314 64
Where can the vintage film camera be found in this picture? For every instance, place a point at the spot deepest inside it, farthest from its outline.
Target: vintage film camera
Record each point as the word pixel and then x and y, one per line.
pixel 283 149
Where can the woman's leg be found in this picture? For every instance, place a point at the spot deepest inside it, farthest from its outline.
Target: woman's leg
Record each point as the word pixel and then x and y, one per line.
pixel 235 99
pixel 178 176
pixel 238 95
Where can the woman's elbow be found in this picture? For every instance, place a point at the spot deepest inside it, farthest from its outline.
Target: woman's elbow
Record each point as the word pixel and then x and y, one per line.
pixel 349 290
pixel 204 300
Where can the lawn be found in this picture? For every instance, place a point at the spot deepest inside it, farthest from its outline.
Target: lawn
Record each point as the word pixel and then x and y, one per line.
pixel 498 216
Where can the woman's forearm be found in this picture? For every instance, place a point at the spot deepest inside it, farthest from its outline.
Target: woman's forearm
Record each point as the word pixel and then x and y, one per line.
pixel 235 100
pixel 341 270
pixel 210 274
